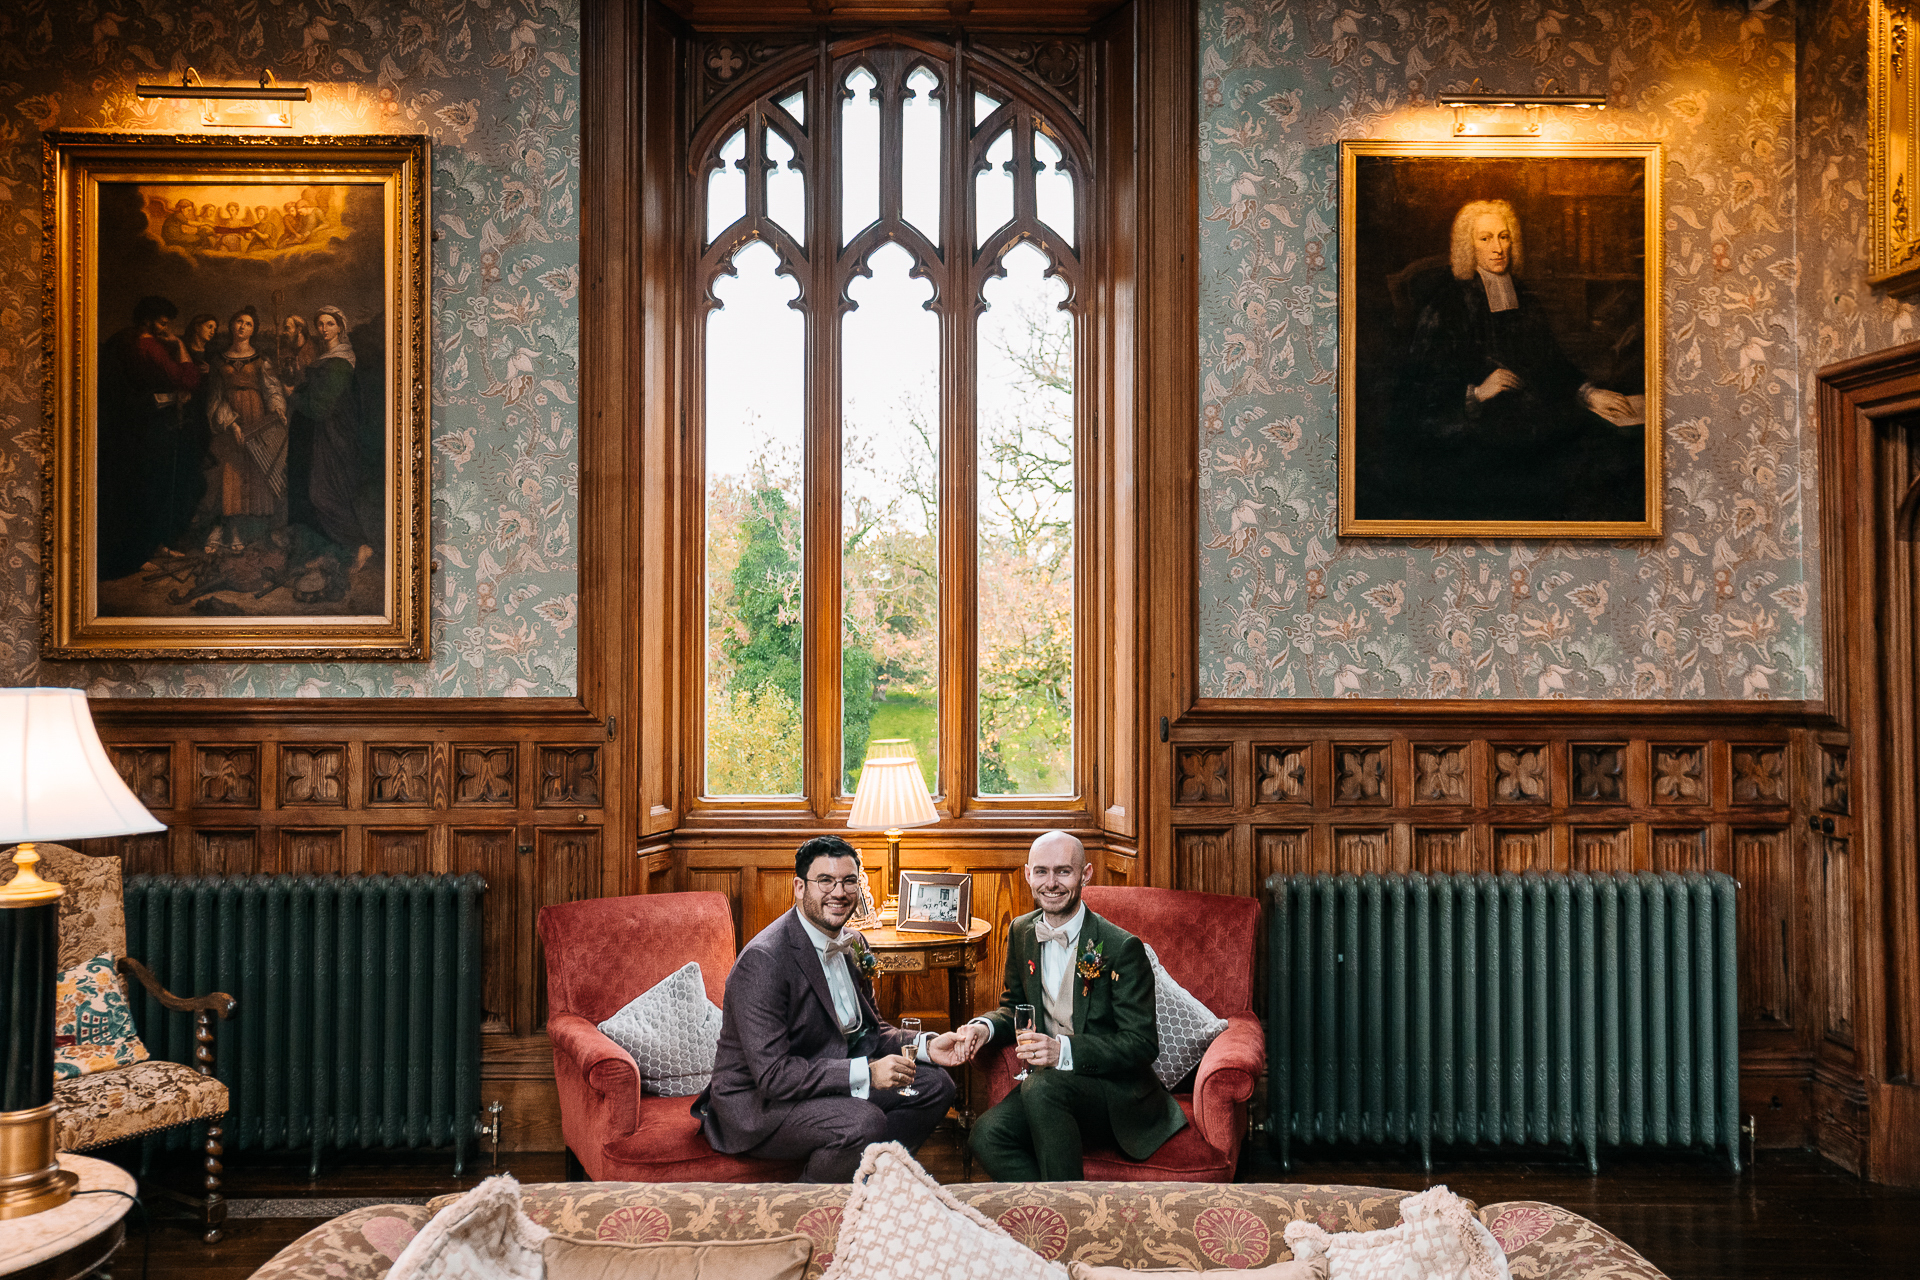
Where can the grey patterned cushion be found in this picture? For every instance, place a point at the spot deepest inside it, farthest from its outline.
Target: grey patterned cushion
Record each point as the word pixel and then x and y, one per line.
pixel 1187 1027
pixel 672 1031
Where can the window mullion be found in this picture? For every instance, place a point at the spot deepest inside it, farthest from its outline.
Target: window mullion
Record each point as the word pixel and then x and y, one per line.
pixel 822 576
pixel 959 710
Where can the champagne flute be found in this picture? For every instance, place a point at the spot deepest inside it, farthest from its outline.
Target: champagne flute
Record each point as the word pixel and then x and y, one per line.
pixel 912 1027
pixel 1022 1021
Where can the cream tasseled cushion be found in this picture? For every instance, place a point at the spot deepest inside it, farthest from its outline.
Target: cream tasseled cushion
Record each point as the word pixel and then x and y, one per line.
pixel 900 1222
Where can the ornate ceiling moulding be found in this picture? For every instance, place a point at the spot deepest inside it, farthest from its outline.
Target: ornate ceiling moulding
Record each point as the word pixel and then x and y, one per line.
pixel 1893 252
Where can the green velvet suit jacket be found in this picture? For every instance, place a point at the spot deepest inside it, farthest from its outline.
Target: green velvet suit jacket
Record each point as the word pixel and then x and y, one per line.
pixel 1116 1034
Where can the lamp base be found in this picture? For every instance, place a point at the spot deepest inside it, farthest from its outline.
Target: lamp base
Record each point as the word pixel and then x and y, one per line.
pixel 31 1178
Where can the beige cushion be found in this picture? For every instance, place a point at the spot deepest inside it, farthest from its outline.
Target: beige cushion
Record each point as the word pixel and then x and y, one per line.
pixel 1438 1238
pixel 776 1258
pixel 481 1236
pixel 111 1106
pixel 900 1222
pixel 1297 1269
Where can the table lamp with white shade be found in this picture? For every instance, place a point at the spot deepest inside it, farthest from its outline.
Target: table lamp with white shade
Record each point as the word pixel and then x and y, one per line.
pixel 56 784
pixel 891 795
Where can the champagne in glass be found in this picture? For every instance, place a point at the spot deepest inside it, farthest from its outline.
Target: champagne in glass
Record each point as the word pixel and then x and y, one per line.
pixel 912 1027
pixel 1022 1021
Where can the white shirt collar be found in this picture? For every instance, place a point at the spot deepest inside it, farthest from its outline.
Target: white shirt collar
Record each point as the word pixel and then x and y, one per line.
pixel 819 938
pixel 1501 295
pixel 1074 922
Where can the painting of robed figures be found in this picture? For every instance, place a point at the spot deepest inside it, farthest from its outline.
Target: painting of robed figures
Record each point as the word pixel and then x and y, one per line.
pixel 240 411
pixel 1500 340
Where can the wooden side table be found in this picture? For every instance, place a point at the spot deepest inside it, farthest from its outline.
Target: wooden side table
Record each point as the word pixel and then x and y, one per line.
pixel 921 952
pixel 78 1237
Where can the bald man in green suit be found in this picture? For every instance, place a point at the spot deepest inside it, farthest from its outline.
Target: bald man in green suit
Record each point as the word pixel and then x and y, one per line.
pixel 1090 1059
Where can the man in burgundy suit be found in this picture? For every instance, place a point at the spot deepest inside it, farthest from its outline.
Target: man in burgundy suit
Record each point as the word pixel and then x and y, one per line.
pixel 150 475
pixel 806 1068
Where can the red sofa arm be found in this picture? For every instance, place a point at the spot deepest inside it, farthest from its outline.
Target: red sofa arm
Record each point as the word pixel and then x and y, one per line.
pixel 597 1079
pixel 999 1065
pixel 1225 1080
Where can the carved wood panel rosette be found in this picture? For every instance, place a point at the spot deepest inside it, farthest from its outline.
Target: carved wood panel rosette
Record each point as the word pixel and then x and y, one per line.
pixel 1599 773
pixel 1280 775
pixel 569 776
pixel 1893 142
pixel 227 777
pixel 398 775
pixel 724 61
pixel 1679 774
pixel 1203 776
pixel 1834 792
pixel 484 775
pixel 1059 64
pixel 313 774
pixel 1759 775
pixel 1520 775
pixel 1362 774
pixel 1440 775
pixel 148 773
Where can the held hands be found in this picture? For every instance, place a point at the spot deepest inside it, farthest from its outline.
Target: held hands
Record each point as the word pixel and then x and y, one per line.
pixel 895 1071
pixel 957 1047
pixel 1037 1050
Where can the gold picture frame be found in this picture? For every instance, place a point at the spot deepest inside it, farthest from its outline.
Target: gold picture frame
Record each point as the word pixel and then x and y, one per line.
pixel 935 902
pixel 1893 138
pixel 1490 391
pixel 237 393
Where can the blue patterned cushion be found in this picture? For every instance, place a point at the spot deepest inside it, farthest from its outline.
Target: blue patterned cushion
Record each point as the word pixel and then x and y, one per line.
pixel 92 1025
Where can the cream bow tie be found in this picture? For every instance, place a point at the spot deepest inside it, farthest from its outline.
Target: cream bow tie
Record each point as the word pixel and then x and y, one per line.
pixel 844 945
pixel 1045 933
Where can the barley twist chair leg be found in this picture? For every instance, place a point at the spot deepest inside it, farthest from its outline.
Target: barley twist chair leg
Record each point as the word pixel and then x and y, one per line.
pixel 215 1214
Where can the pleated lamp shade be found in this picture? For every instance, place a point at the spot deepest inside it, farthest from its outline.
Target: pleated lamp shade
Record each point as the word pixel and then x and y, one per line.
pixel 56 780
pixel 892 794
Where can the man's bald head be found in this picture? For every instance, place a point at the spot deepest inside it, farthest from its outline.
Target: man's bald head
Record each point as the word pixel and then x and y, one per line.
pixel 1051 845
pixel 1057 871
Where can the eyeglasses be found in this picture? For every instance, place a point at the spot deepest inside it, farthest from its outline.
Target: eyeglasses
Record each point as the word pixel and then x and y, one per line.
pixel 827 884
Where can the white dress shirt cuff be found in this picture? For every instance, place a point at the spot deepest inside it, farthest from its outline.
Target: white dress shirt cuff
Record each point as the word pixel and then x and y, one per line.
pixel 861 1077
pixel 1066 1053
pixel 920 1047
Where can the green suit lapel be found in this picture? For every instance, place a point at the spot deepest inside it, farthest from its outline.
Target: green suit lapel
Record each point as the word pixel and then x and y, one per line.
pixel 1030 984
pixel 1092 933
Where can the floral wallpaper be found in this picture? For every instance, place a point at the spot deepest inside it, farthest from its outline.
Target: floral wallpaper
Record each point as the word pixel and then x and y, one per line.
pixel 1725 605
pixel 495 84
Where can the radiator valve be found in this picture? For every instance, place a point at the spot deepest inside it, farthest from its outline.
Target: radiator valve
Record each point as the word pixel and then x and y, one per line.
pixel 489 1128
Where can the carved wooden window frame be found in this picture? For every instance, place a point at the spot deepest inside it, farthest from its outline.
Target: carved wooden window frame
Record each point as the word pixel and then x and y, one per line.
pixel 958 271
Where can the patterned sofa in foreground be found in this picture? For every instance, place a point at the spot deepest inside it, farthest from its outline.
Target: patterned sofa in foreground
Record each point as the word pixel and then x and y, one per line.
pixel 1131 1224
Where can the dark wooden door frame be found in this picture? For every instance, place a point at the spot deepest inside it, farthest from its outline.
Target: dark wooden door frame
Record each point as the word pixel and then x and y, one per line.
pixel 1868 419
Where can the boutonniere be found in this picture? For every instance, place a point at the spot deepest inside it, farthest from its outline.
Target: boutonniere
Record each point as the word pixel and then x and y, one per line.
pixel 1092 961
pixel 863 957
pixel 1030 968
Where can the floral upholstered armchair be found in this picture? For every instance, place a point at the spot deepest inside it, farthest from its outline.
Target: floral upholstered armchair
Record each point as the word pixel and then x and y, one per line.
pixel 107 1107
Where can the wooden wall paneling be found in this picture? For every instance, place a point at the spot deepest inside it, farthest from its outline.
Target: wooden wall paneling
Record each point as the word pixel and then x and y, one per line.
pixel 1766 874
pixel 312 851
pixel 493 852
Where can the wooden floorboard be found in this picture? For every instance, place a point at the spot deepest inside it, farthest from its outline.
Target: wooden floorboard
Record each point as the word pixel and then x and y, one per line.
pixel 1791 1216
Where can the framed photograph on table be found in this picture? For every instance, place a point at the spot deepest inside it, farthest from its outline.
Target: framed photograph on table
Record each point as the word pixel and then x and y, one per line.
pixel 1500 339
pixel 236 340
pixel 935 902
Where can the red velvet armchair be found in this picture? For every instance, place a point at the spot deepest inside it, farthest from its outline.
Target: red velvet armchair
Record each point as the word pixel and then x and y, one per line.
pixel 601 953
pixel 1205 941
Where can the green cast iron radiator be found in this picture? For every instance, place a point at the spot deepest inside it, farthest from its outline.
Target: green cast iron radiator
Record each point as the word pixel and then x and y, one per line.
pixel 1581 1010
pixel 358 1018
